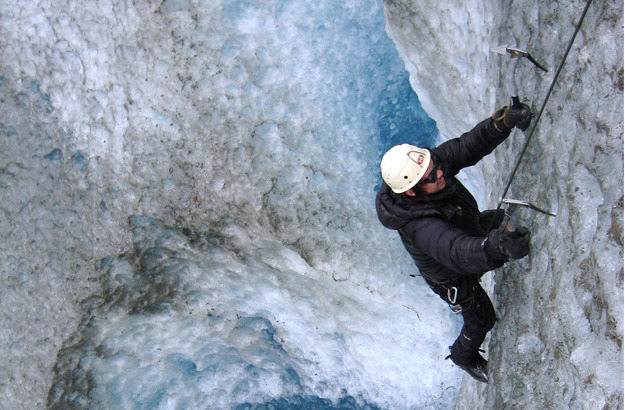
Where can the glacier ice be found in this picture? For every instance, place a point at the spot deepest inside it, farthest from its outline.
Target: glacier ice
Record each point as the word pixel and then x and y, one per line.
pixel 243 136
pixel 215 319
pixel 558 343
pixel 187 198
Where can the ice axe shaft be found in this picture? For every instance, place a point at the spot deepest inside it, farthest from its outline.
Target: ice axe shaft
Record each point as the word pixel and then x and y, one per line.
pixel 515 54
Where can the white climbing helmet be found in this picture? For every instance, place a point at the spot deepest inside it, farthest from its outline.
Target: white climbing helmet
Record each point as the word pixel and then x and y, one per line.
pixel 403 166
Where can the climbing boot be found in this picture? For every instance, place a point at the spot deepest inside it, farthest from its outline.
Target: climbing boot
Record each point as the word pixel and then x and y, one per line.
pixel 478 369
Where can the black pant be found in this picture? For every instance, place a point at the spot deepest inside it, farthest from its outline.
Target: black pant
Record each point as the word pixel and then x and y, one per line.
pixel 478 314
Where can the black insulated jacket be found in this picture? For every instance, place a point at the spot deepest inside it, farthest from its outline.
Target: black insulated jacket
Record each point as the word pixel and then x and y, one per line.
pixel 444 233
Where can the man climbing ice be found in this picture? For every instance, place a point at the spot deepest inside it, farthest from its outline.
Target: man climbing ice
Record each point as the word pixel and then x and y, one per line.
pixel 440 225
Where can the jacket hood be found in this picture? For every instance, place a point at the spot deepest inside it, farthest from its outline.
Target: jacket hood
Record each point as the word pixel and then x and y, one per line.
pixel 396 210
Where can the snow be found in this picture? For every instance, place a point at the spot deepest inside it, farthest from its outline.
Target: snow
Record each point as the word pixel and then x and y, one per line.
pixel 187 187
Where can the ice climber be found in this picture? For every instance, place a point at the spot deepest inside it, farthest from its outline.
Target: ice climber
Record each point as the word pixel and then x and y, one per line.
pixel 441 227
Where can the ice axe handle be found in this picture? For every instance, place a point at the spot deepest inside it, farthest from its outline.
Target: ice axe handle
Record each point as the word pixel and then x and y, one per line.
pixel 505 224
pixel 515 102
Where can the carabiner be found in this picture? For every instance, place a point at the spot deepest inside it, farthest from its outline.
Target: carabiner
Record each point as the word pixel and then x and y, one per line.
pixel 451 299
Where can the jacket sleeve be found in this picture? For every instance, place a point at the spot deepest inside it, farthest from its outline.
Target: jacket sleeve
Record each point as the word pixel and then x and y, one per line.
pixel 444 251
pixel 471 146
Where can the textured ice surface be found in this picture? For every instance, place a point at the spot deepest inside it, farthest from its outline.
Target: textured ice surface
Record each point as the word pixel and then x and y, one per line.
pixel 558 343
pixel 221 319
pixel 194 116
pixel 164 159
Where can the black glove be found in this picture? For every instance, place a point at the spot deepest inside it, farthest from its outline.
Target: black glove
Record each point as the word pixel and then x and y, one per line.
pixel 491 219
pixel 503 244
pixel 514 116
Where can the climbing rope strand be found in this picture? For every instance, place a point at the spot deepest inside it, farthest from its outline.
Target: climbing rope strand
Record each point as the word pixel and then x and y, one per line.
pixel 542 108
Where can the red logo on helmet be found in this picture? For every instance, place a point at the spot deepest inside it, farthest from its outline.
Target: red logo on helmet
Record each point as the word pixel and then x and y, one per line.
pixel 420 159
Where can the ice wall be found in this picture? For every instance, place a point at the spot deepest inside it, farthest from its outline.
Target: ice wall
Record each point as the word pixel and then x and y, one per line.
pixel 186 191
pixel 558 342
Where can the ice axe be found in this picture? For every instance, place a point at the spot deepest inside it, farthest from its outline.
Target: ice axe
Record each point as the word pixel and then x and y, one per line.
pixel 515 54
pixel 513 205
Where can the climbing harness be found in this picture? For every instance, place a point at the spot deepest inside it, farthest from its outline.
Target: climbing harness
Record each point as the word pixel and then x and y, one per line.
pixel 542 108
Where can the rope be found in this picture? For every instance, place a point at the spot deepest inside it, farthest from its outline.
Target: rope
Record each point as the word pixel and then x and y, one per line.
pixel 542 108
